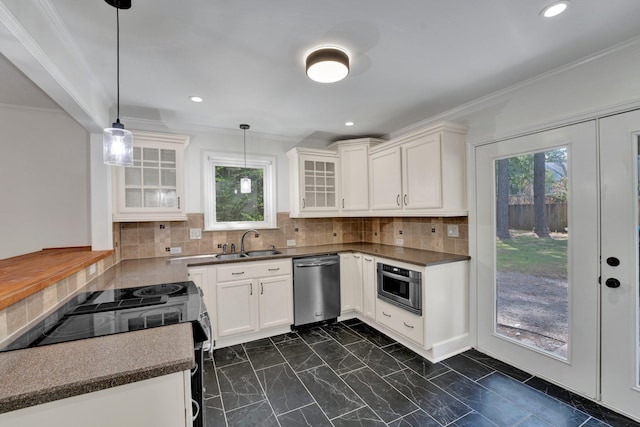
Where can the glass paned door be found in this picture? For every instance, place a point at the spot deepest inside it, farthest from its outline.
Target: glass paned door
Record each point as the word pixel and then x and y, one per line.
pixel 620 291
pixel 537 254
pixel 532 234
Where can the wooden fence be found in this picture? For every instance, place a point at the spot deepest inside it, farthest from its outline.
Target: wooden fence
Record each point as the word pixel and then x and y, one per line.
pixel 522 217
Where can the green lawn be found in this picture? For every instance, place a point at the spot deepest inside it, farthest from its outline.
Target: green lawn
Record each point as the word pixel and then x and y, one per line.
pixel 526 253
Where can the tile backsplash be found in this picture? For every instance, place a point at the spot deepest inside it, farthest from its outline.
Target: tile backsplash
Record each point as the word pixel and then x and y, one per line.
pixel 152 239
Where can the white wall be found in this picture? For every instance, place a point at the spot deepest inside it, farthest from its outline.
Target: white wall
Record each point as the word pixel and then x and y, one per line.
pixel 231 143
pixel 604 83
pixel 44 181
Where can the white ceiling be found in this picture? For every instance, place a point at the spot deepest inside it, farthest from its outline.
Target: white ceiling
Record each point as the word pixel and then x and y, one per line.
pixel 410 59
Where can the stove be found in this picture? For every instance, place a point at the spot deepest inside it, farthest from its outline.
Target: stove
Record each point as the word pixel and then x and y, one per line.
pixel 99 313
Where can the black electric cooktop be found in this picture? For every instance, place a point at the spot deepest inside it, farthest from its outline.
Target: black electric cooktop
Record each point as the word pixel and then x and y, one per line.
pixel 99 313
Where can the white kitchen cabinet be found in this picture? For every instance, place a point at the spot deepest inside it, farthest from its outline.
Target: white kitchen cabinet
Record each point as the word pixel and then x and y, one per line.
pixel 369 288
pixel 422 173
pixel 251 297
pixel 163 401
pixel 236 310
pixel 275 303
pixel 314 181
pixel 153 188
pixel 354 172
pixel 400 320
pixel 385 179
pixel 350 283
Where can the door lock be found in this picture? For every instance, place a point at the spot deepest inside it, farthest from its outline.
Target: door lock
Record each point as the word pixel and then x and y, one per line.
pixel 612 283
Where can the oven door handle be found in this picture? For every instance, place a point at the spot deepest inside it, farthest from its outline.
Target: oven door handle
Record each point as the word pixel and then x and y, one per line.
pixel 400 277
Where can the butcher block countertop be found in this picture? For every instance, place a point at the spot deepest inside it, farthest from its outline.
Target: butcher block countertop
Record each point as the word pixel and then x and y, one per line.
pixel 24 275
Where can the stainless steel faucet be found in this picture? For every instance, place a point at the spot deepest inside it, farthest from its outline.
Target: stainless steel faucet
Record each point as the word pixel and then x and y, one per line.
pixel 242 240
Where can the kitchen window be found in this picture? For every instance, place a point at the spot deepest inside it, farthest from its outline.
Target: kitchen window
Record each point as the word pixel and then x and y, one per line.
pixel 226 207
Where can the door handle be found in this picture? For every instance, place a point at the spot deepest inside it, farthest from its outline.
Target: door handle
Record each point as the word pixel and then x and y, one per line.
pixel 612 283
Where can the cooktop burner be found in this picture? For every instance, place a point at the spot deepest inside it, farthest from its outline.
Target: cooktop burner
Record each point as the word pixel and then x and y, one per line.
pixel 165 289
pixel 94 314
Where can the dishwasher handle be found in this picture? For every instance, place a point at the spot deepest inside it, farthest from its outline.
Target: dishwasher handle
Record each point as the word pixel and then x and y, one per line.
pixel 316 263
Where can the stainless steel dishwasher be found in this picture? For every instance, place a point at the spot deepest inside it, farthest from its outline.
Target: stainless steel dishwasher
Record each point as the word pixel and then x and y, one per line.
pixel 316 289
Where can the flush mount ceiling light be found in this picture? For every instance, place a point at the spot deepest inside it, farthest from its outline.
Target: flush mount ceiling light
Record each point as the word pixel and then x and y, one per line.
pixel 327 64
pixel 555 9
pixel 245 183
pixel 117 142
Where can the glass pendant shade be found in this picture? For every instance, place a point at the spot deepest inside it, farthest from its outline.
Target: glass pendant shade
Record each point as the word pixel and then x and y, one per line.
pixel 245 185
pixel 117 146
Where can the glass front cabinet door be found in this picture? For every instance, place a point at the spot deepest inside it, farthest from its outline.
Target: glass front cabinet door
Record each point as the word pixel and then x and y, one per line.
pixel 153 188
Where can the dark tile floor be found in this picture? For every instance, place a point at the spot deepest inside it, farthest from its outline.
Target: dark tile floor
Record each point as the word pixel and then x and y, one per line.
pixel 349 374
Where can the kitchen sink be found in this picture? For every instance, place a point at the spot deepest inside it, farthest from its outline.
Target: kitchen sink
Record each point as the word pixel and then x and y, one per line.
pixel 223 257
pixel 266 252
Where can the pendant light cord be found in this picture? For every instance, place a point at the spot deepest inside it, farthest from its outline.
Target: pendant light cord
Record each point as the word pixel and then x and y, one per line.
pixel 244 148
pixel 118 64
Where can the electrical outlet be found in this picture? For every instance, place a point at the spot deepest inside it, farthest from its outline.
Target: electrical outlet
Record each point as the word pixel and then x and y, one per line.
pixel 452 230
pixel 291 242
pixel 92 269
pixel 195 233
pixel 176 250
pixel 399 242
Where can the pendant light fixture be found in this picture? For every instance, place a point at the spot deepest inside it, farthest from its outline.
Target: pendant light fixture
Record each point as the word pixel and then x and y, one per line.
pixel 117 142
pixel 245 183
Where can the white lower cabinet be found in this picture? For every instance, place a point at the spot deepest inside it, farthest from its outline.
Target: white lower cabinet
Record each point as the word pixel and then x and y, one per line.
pixel 163 401
pixel 350 283
pixel 246 299
pixel 443 328
pixel 403 322
pixel 369 288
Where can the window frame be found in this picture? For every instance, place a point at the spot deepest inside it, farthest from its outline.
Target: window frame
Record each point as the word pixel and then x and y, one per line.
pixel 254 161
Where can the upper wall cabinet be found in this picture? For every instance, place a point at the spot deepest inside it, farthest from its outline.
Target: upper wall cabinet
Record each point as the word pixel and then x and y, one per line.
pixel 422 173
pixel 314 181
pixel 153 188
pixel 354 171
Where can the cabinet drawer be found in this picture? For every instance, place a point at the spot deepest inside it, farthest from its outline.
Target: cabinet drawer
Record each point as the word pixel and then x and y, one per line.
pixel 400 320
pixel 253 270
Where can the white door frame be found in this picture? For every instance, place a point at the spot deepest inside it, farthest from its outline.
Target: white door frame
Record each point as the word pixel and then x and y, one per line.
pixel 580 371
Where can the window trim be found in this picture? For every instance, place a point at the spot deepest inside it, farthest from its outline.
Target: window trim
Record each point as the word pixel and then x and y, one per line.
pixel 211 159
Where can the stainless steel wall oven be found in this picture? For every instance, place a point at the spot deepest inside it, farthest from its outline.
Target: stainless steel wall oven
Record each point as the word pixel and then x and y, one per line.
pixel 400 286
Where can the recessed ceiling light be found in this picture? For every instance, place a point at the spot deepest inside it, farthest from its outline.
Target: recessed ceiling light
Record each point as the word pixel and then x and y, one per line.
pixel 327 64
pixel 349 123
pixel 555 9
pixel 196 99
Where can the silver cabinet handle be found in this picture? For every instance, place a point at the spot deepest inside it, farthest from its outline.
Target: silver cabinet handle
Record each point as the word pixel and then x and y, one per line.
pixel 356 256
pixel 250 288
pixel 388 315
pixel 261 288
pixel 303 204
pixel 368 259
pixel 408 326
pixel 274 269
pixel 178 202
pixel 342 203
pixel 238 273
pixel 405 200
pixel 398 200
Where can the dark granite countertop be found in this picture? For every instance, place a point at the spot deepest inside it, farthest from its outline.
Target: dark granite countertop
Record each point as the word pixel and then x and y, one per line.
pixel 38 375
pixel 398 253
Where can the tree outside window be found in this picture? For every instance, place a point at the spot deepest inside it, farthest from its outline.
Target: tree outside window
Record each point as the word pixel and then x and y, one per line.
pixel 226 207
